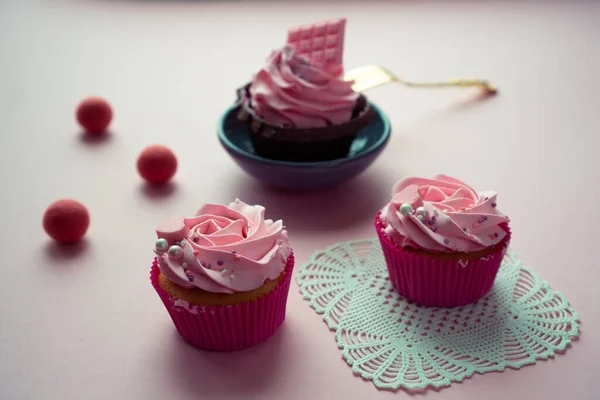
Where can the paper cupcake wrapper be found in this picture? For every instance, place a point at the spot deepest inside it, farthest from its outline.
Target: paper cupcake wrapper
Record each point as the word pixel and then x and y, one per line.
pixel 436 281
pixel 228 328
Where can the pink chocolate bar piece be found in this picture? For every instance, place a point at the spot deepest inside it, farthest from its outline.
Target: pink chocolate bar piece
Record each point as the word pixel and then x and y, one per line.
pixel 322 43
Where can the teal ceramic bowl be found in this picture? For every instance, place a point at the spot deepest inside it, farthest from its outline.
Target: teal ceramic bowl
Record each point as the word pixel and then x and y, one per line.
pixel 368 144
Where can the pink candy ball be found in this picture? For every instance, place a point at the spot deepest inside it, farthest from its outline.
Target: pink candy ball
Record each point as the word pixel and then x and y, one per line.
pixel 66 221
pixel 94 115
pixel 157 164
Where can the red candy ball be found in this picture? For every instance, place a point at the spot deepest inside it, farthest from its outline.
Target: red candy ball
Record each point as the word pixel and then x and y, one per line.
pixel 94 114
pixel 157 164
pixel 66 221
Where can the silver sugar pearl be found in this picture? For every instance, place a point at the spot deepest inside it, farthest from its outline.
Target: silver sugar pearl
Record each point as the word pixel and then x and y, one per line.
pixel 175 252
pixel 161 245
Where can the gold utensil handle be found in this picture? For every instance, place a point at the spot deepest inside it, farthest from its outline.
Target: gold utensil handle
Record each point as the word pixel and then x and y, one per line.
pixel 482 83
pixel 370 76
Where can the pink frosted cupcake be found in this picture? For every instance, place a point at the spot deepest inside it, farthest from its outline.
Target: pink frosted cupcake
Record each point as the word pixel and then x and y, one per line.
pixel 442 241
pixel 224 275
pixel 298 105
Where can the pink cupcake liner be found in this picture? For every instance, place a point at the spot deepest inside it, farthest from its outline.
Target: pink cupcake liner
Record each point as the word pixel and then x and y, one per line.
pixel 228 328
pixel 438 282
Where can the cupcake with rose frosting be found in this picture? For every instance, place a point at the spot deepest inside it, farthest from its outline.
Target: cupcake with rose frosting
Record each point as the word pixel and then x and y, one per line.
pixel 223 275
pixel 443 241
pixel 298 105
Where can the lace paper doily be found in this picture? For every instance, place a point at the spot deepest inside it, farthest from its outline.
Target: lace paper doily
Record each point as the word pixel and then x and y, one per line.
pixel 395 343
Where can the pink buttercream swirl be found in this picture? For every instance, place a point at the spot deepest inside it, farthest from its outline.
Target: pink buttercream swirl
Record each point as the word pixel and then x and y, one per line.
pixel 442 214
pixel 223 249
pixel 291 91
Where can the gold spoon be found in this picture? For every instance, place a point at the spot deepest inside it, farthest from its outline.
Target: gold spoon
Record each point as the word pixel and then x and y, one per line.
pixel 371 76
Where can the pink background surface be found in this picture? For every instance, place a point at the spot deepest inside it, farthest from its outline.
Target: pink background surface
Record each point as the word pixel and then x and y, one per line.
pixel 85 323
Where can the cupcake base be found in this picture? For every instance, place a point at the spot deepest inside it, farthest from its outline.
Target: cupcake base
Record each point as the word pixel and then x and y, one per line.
pixel 228 327
pixel 313 151
pixel 441 280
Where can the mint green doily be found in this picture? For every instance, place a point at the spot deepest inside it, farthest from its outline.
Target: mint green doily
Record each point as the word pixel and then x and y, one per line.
pixel 395 343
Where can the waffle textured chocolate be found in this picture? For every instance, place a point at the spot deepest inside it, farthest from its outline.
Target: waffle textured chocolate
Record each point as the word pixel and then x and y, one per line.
pixel 322 43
